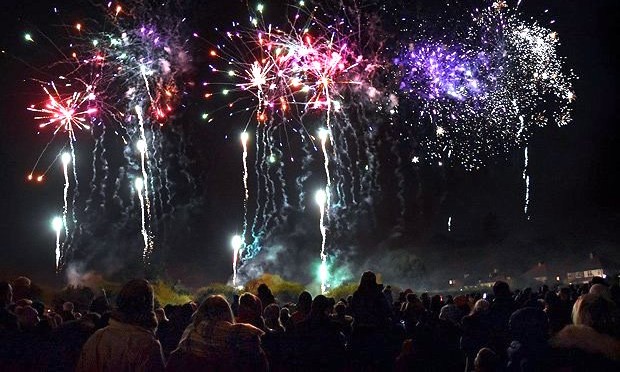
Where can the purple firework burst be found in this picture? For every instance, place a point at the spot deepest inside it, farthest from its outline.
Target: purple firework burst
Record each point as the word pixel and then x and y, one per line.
pixel 433 71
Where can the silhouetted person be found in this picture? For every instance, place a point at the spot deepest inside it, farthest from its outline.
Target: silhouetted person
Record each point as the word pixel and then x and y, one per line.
pixel 558 318
pixel 214 342
pixel 68 311
pixel 342 320
pixel 486 361
pixel 276 342
pixel 67 341
pixel 500 311
pixel 265 295
pixel 477 331
pixel 371 313
pixel 128 343
pixel 9 327
pixel 304 301
pixel 528 350
pixel 251 311
pixel 318 342
pixel 591 343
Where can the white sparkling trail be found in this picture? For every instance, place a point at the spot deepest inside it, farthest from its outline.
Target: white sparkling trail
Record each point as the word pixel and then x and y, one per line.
pixel 57 226
pixel 139 184
pixel 143 71
pixel 145 200
pixel 244 142
pixel 450 224
pixel 324 136
pixel 236 243
pixel 66 159
pixel 321 199
pixel 57 252
pixel 526 178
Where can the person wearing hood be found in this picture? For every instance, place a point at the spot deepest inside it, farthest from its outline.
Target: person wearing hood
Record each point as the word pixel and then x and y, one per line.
pixel 592 342
pixel 215 342
pixel 251 311
pixel 529 331
pixel 128 343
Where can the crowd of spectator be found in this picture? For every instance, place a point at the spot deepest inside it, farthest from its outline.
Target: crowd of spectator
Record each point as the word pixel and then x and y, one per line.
pixel 572 328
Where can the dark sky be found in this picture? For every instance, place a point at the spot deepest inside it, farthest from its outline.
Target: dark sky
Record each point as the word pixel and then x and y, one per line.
pixel 574 169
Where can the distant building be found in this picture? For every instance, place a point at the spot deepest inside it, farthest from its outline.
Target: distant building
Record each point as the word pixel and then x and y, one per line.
pixel 541 273
pixel 583 272
pixel 494 277
pixel 538 273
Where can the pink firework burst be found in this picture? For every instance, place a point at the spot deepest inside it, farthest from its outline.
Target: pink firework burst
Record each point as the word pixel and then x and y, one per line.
pixel 66 113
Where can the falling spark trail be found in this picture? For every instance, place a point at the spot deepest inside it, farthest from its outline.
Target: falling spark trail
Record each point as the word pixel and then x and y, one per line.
pixel 66 159
pixel 244 142
pixel 57 226
pixel 57 252
pixel 321 200
pixel 236 243
pixel 139 184
pixel 324 136
pixel 450 224
pixel 144 198
pixel 143 72
pixel 526 178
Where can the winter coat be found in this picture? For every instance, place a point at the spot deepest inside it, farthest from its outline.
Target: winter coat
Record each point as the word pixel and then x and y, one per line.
pixel 219 346
pixel 581 348
pixel 121 347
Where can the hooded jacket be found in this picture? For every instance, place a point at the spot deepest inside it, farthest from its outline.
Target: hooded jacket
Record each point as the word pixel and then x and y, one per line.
pixel 121 347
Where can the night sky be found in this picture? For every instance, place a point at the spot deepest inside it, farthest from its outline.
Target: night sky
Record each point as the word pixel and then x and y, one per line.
pixel 574 172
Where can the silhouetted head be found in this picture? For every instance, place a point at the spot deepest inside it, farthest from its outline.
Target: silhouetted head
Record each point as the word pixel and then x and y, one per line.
pixel 304 302
pixel 39 307
pixel 68 307
pixel 251 310
pixel 486 361
pixel 214 308
pixel 368 281
pixel 601 290
pixel 501 289
pixel 272 313
pixel 481 306
pixel 263 289
pixel 320 304
pixel 598 280
pixel 27 316
pixel 340 309
pixel 100 305
pixel 134 304
pixel 6 294
pixel 529 324
pixel 595 311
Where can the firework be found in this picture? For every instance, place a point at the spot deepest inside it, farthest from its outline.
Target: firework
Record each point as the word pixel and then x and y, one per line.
pixel 57 226
pixel 145 201
pixel 246 193
pixel 479 92
pixel 321 200
pixel 285 79
pixel 65 113
pixel 526 180
pixel 66 160
pixel 119 73
pixel 236 243
pixel 139 187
